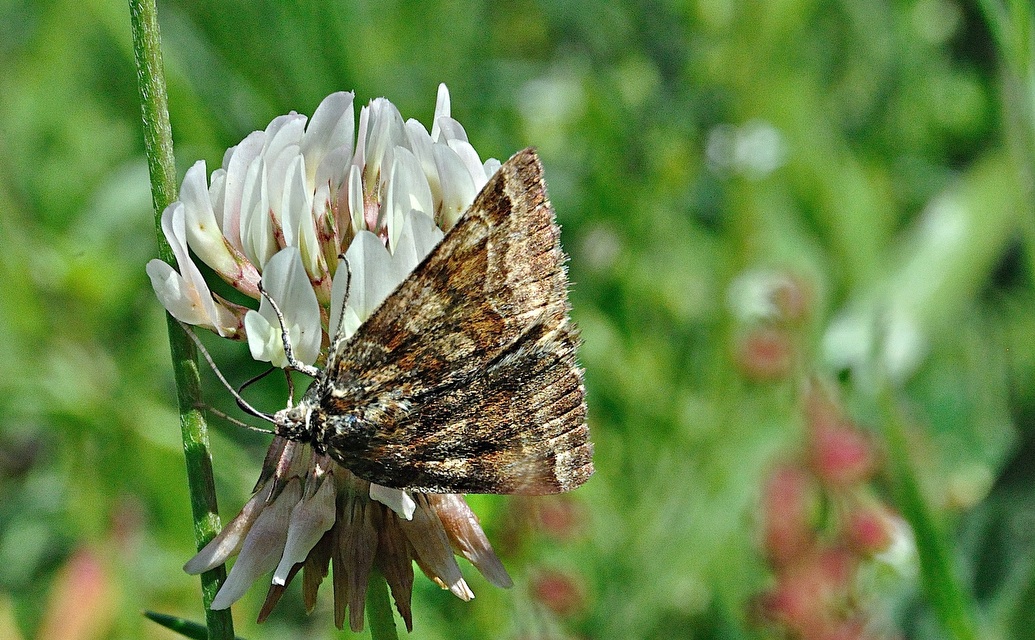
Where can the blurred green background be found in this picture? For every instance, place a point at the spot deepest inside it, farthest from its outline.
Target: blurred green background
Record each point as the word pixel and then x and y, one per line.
pixel 881 152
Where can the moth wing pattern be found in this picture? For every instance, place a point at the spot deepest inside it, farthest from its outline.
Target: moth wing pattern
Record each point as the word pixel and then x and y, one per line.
pixel 465 380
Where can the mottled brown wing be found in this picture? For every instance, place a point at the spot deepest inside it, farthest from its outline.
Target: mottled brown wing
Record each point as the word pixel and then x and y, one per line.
pixel 464 380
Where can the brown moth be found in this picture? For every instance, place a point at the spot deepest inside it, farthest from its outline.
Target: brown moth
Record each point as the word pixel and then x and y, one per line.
pixel 464 380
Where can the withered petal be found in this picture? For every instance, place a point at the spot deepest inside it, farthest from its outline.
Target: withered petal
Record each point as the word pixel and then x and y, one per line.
pixel 394 561
pixel 273 455
pixel 434 554
pixel 353 557
pixel 262 547
pixel 467 538
pixel 315 570
pixel 229 540
pixel 292 464
pixel 309 520
pixel 274 594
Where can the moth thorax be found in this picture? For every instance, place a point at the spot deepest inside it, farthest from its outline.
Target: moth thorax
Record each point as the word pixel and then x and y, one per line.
pixel 293 423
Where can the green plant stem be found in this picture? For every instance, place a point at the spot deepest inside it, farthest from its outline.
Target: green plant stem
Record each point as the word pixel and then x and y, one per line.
pixel 952 606
pixel 379 609
pixel 158 148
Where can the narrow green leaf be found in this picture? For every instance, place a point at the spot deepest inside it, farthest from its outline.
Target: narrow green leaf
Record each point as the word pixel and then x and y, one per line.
pixel 182 626
pixel 951 603
pixel 379 609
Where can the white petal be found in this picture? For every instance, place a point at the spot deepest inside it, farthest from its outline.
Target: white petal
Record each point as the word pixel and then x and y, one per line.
pixel 175 295
pixel 283 131
pixel 490 167
pixel 334 168
pixel 355 200
pixel 310 519
pixel 373 275
pixel 285 281
pixel 449 130
pixel 352 319
pixel 217 193
pixel 279 174
pixel 229 153
pixel 386 133
pixel 422 147
pixel 470 159
pixel 264 339
pixel 360 157
pixel 186 295
pixel 441 110
pixel 417 238
pixel 258 240
pixel 395 499
pixel 299 227
pixel 236 175
pixel 262 547
pixel 204 234
pixel 420 143
pixel 407 191
pixel 458 190
pixel 331 127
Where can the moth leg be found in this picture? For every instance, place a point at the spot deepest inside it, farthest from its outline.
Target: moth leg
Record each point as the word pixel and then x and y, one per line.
pixel 289 354
pixel 339 334
pixel 241 402
pixel 232 420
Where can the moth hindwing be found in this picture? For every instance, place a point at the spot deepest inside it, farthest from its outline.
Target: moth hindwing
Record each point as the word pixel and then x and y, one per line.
pixel 464 380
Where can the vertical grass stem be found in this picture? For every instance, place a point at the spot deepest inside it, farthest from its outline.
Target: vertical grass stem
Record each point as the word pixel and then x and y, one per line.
pixel 158 148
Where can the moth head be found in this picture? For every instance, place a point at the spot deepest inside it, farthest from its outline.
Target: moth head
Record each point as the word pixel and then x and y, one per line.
pixel 293 423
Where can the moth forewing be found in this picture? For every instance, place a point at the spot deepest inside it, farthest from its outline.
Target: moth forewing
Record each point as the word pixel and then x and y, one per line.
pixel 464 380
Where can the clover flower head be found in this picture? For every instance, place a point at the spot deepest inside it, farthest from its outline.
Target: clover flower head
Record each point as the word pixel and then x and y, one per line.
pixel 289 205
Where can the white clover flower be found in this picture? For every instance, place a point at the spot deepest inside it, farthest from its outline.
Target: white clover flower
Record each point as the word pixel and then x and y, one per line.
pixel 185 294
pixel 282 208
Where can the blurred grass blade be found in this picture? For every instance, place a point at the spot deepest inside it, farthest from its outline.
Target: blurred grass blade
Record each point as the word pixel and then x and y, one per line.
pixel 182 626
pixel 952 605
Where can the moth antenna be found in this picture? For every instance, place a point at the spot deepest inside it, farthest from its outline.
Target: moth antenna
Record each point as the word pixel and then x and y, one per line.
pixel 289 354
pixel 238 423
pixel 241 402
pixel 339 332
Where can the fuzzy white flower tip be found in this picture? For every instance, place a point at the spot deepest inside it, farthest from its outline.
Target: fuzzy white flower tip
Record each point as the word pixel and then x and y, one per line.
pixel 395 499
pixel 901 554
pixel 461 590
